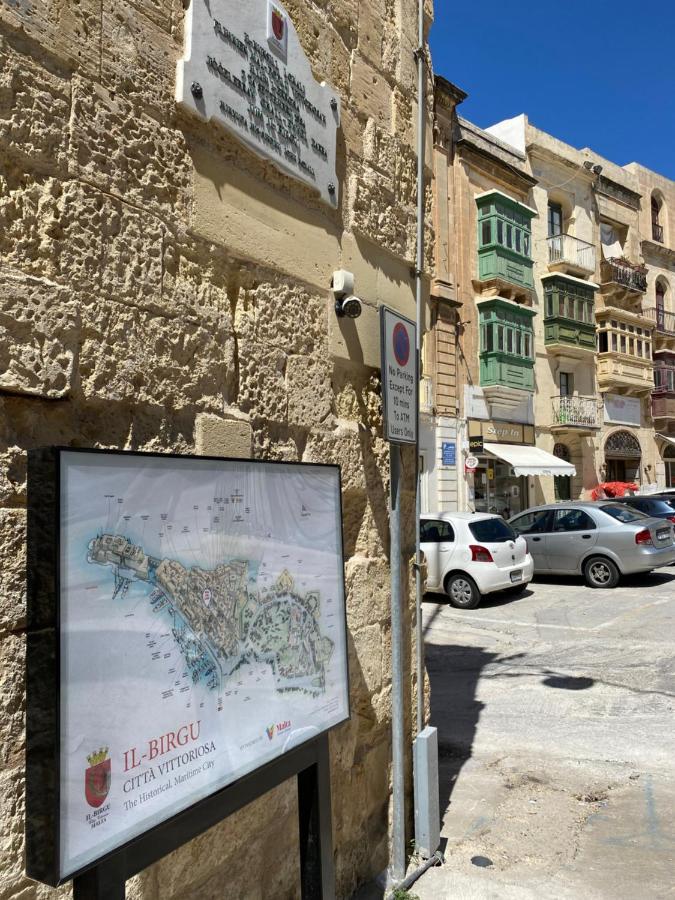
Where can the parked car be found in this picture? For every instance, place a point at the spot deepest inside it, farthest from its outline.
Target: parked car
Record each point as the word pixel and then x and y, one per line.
pixel 660 506
pixel 472 554
pixel 601 540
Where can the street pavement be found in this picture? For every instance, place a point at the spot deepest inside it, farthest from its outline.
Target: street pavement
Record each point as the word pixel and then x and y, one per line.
pixel 556 742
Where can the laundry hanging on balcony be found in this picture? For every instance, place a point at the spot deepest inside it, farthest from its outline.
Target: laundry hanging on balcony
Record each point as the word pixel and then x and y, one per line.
pixel 611 245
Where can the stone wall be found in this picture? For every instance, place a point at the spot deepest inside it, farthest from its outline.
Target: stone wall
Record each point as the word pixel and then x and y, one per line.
pixel 163 289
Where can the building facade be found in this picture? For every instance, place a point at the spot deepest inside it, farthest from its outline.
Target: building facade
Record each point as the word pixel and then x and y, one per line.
pixel 165 288
pixel 563 279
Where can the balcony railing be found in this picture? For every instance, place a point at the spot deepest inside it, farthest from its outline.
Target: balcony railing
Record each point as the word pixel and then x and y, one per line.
pixel 577 412
pixel 664 380
pixel 564 248
pixel 657 232
pixel 665 321
pixel 620 271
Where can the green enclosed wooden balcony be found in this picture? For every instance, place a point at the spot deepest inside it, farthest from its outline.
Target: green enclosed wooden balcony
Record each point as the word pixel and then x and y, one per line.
pixel 504 245
pixel 569 320
pixel 506 344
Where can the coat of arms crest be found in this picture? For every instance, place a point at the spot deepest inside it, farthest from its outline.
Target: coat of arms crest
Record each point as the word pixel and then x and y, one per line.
pixel 97 777
pixel 277 27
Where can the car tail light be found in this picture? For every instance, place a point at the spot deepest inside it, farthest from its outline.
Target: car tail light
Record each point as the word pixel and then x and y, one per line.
pixel 671 518
pixel 480 554
pixel 643 537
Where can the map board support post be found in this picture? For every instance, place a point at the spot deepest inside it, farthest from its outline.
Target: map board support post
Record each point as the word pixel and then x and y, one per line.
pixel 397 714
pixel 104 882
pixel 317 869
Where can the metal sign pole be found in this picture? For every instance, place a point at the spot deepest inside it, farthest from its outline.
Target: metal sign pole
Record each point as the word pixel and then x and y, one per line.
pixel 397 712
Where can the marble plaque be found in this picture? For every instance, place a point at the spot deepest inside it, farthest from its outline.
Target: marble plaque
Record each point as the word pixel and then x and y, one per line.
pixel 244 67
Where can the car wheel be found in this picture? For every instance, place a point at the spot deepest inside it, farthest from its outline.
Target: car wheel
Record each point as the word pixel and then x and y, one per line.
pixel 601 572
pixel 462 591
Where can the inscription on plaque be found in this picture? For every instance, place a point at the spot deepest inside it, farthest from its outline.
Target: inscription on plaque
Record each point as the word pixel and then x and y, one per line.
pixel 244 67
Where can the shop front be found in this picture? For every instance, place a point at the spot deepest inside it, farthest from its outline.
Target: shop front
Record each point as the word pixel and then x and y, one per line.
pixel 506 460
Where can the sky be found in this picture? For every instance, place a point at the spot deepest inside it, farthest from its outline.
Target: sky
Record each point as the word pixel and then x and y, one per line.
pixel 593 74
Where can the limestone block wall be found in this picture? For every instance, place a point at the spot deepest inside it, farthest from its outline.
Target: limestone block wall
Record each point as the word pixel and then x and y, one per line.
pixel 161 288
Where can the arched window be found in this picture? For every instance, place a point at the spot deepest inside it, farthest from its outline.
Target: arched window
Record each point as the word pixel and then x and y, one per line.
pixel 660 305
pixel 622 444
pixel 657 227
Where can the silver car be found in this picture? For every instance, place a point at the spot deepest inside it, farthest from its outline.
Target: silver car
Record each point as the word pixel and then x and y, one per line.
pixel 601 540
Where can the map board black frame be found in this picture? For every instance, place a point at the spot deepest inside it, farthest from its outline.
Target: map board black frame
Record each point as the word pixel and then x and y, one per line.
pixel 105 875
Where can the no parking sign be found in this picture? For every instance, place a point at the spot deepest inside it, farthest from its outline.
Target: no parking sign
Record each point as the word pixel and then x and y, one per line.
pixel 399 377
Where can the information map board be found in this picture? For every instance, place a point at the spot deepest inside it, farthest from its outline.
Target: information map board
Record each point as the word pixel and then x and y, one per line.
pixel 201 633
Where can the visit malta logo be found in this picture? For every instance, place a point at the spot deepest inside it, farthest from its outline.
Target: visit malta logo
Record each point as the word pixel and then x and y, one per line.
pixel 270 732
pixel 97 777
pixel 277 28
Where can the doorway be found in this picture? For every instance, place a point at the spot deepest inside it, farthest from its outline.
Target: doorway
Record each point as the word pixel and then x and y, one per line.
pixel 622 457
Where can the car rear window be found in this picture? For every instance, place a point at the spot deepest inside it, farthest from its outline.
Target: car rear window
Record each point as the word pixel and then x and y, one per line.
pixel 658 507
pixel 624 513
pixel 492 531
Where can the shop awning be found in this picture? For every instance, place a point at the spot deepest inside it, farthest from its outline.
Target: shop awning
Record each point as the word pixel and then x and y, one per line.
pixel 530 460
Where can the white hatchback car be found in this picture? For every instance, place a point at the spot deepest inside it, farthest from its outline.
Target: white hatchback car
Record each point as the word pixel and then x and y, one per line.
pixel 471 554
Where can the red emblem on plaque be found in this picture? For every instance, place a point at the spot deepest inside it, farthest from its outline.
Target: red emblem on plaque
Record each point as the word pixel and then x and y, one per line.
pixel 97 778
pixel 278 24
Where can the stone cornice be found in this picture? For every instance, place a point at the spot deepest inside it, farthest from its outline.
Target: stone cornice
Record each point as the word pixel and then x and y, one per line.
pixel 656 249
pixel 508 173
pixel 446 94
pixel 619 192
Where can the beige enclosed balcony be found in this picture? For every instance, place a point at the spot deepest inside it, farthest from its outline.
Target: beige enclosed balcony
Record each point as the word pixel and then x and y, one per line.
pixel 575 413
pixel 623 372
pixel 568 254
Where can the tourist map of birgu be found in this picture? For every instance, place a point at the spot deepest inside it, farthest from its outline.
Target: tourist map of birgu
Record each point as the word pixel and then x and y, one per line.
pixel 202 632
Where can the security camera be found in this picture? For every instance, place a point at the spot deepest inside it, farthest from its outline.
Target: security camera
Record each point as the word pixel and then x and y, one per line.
pixel 346 303
pixel 349 306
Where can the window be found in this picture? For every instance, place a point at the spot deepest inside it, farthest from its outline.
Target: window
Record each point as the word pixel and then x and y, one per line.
pixel 566 389
pixel 436 531
pixel 509 235
pixel 623 513
pixel 572 520
pixel 555 219
pixel 492 531
pixel 506 328
pixel 518 240
pixel 531 523
pixel 602 342
pixel 486 232
pixel 500 231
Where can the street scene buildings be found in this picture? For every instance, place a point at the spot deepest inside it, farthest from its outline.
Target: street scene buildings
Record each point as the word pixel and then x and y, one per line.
pixel 557 266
